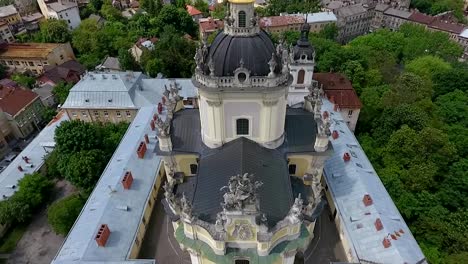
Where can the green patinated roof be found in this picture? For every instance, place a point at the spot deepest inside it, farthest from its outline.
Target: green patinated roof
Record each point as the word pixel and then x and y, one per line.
pixel 231 253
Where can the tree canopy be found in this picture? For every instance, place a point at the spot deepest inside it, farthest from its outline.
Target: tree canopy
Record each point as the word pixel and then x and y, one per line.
pixel 62 214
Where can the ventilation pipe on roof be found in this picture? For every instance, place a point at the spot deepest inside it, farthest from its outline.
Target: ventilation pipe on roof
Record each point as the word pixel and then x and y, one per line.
pixel 102 235
pixel 127 180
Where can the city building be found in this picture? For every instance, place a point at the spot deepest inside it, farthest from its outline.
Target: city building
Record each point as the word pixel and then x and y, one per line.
pixel 143 44
pixel 339 91
pixel 5 32
pixel 463 41
pixel 208 26
pixel 45 93
pixel 353 21
pixel 23 110
pixel 394 18
pixel 10 15
pixel 318 21
pixel 280 24
pixel 245 178
pixel 194 13
pixel 67 72
pixel 116 97
pixel 34 57
pixel 453 29
pixel 109 64
pixel 31 21
pixel 66 10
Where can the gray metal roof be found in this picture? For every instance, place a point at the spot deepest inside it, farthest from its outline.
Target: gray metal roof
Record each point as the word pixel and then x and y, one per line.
pixel 108 196
pixel 186 131
pixel 348 182
pixel 7 10
pixel 397 13
pixel 238 157
pixel 301 129
pixel 381 7
pixel 350 10
pixel 35 151
pixel 124 89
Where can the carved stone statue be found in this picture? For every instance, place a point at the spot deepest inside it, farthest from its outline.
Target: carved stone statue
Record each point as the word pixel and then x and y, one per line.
pixel 241 63
pixel 186 208
pixel 254 21
pixel 241 192
pixel 272 63
pixel 295 213
pixel 198 58
pixel 219 224
pixel 211 66
pixel 324 128
pixel 163 127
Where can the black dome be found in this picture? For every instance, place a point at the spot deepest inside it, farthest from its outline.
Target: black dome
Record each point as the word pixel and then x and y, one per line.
pixel 303 46
pixel 226 51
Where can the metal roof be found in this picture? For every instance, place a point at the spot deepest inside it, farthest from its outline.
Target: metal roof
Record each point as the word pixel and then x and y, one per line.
pixel 464 33
pixel 300 128
pixel 123 89
pixel 109 195
pixel 8 10
pixel 398 13
pixel 35 151
pixel 348 182
pixel 320 17
pixel 241 156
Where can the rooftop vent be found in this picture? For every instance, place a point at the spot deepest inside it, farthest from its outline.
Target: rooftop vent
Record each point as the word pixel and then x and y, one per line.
pixel 141 150
pixel 367 200
pixel 378 224
pixel 146 139
pixel 102 235
pixel 92 77
pixel 104 77
pixel 86 100
pixel 346 156
pixel 114 76
pixel 109 100
pixel 335 134
pixel 122 207
pixel 127 180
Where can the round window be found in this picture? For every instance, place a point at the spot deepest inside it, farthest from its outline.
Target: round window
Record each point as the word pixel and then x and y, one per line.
pixel 241 77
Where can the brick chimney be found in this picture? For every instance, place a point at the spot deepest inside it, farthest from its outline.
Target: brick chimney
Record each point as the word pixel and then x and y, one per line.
pixel 146 139
pixel 102 235
pixel 127 180
pixel 141 150
pixel 367 200
pixel 346 157
pixel 386 243
pixel 378 224
pixel 335 134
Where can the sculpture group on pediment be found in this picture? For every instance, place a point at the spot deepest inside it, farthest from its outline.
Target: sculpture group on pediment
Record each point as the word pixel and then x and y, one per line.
pixel 241 192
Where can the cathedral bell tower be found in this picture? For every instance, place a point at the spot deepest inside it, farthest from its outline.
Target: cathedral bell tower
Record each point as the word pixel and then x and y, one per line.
pixel 302 67
pixel 242 81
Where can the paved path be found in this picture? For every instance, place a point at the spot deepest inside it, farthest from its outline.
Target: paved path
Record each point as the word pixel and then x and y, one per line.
pixel 39 243
pixel 159 242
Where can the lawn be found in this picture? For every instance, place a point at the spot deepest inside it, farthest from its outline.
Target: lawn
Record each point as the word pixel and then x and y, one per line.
pixel 11 238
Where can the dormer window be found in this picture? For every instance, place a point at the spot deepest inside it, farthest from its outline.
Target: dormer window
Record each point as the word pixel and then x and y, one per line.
pixel 242 19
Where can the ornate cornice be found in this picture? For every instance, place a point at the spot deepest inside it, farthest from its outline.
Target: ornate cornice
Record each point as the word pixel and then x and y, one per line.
pixel 270 102
pixel 214 103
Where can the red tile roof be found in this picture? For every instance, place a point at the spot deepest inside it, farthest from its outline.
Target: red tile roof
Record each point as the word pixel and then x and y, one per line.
pixel 446 26
pixel 193 11
pixel 421 18
pixel 279 21
pixel 210 24
pixel 337 87
pixel 16 100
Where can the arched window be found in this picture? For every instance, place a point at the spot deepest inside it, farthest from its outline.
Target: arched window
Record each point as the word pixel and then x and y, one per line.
pixel 300 77
pixel 241 19
pixel 242 126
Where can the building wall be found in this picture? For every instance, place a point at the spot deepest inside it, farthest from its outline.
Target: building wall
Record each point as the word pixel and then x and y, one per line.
pixel 219 112
pixel 59 55
pixel 350 116
pixel 12 19
pixel 284 28
pixel 5 127
pixel 316 27
pixel 5 33
pixel 71 16
pixel 183 163
pixel 27 120
pixel 136 53
pixel 352 26
pixel 102 115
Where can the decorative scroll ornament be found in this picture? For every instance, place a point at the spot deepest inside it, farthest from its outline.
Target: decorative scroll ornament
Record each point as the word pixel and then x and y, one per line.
pixel 214 103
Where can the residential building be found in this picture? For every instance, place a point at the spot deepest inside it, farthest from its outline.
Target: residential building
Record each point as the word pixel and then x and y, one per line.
pixel 109 64
pixel 45 93
pixel 34 57
pixel 377 16
pixel 463 41
pixel 116 97
pixel 66 10
pixel 340 92
pixel 353 21
pixel 142 45
pixel 23 110
pixel 194 13
pixel 5 32
pixel 318 21
pixel 280 24
pixel 421 19
pixel 67 72
pixel 31 21
pixel 10 15
pixel 453 29
pixel 208 26
pixel 394 18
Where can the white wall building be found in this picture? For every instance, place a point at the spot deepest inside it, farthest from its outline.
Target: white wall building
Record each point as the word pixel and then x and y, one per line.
pixel 62 9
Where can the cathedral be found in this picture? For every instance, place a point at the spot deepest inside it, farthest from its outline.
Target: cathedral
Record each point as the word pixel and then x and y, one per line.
pixel 244 169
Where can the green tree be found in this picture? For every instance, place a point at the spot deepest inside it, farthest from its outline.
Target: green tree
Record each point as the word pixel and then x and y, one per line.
pixel 54 31
pixel 110 13
pixel 61 91
pixel 74 136
pixel 176 17
pixel 219 11
pixel 127 61
pixel 85 167
pixel 52 165
pixel 409 88
pixel 62 214
pixel 453 108
pixel 24 80
pixel 428 66
pixel 48 113
pixel 34 190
